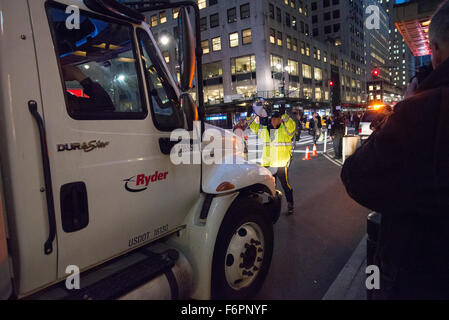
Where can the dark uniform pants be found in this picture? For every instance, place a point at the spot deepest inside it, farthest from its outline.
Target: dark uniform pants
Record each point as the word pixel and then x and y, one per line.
pixel 338 144
pixel 282 175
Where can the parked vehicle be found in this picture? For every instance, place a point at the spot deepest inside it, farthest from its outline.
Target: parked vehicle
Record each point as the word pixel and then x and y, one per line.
pixel 87 182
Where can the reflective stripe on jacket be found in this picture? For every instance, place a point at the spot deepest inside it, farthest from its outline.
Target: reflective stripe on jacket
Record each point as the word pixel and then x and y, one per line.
pixel 276 152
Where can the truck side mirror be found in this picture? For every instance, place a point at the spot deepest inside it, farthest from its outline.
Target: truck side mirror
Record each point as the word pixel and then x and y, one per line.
pixel 187 43
pixel 190 110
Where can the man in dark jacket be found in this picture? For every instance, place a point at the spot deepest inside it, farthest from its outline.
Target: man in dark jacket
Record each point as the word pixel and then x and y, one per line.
pixel 315 126
pixel 402 171
pixel 337 133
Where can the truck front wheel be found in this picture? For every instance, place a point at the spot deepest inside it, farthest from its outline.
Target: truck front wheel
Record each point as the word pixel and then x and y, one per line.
pixel 243 251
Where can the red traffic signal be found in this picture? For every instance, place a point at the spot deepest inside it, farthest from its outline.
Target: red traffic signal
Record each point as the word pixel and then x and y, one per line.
pixel 331 83
pixel 375 73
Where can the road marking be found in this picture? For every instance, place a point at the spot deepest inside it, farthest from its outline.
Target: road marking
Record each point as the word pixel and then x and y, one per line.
pixel 338 163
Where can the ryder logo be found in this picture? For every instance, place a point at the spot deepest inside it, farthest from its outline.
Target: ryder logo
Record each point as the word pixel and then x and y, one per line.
pixel 142 182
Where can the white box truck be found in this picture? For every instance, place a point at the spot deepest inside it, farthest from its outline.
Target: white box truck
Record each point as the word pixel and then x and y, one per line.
pixel 87 108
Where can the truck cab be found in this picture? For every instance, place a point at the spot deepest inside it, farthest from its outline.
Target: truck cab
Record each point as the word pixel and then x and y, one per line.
pixel 88 109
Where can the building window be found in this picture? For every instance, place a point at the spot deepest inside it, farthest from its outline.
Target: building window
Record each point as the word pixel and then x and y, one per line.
pixel 327 16
pixel 294 23
pixel 336 27
pixel 166 56
pixel 271 10
pixel 278 15
pixel 205 46
pixel 279 38
pixel 303 47
pixel 292 4
pixel 243 64
pixel 289 43
pixel 214 20
pixel 325 57
pixel 318 74
pixel 232 15
pixel 318 95
pixel 314 6
pixel 336 14
pixel 153 20
pixel 315 19
pixel 212 70
pixel 162 17
pixel 295 44
pixel 276 63
pixel 293 68
pixel 327 29
pixel 306 71
pixel 288 22
pixel 203 23
pixel 212 2
pixel 335 2
pixel 318 54
pixel 175 13
pixel 307 49
pixel 246 36
pixel 244 11
pixel 326 3
pixel 272 36
pixel 234 40
pixel 201 4
pixel 315 32
pixel 216 44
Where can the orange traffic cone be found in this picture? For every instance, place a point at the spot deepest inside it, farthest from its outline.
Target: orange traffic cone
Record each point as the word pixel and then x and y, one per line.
pixel 314 153
pixel 307 157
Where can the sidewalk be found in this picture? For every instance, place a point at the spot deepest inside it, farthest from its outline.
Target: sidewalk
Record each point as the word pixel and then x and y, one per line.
pixel 350 283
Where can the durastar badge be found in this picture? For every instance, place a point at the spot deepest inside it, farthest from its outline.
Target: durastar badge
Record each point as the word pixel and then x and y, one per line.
pixel 141 182
pixel 86 146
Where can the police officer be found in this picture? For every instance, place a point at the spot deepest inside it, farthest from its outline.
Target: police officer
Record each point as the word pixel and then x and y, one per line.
pixel 338 129
pixel 277 136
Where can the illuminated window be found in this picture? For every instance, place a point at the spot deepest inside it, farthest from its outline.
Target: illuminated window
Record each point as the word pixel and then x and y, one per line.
pixel 318 74
pixel 212 70
pixel 246 36
pixel 205 46
pixel 306 71
pixel 166 56
pixel 289 43
pixel 295 45
pixel 202 4
pixel 293 67
pixel 175 13
pixel 154 20
pixel 318 94
pixel 279 38
pixel 216 44
pixel 243 64
pixel 162 17
pixel 307 50
pixel 234 40
pixel 277 63
pixel 272 36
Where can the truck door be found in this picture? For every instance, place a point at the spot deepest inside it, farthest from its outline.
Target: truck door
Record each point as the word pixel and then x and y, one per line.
pixel 114 187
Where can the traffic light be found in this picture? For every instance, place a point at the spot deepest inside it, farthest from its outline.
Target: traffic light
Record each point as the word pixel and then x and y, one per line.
pixel 331 83
pixel 375 73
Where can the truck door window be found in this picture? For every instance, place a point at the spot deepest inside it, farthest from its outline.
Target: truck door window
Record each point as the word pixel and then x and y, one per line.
pixel 98 66
pixel 164 101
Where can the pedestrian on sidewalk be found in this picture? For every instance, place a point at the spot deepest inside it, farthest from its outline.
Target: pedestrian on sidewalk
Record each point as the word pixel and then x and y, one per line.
pixel 315 126
pixel 402 172
pixel 337 133
pixel 277 134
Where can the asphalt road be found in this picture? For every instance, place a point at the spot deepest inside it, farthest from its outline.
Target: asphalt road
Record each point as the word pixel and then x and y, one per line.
pixel 312 246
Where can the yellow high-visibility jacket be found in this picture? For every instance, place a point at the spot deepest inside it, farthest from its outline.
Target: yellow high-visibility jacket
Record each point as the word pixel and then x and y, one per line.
pixel 277 152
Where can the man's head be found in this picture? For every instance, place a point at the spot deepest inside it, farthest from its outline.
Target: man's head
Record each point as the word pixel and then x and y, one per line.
pixel 276 119
pixel 439 35
pixel 313 114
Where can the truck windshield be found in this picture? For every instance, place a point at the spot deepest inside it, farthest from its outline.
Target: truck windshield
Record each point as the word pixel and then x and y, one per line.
pixel 99 66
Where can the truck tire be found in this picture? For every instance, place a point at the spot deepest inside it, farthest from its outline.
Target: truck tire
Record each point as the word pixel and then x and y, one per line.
pixel 243 251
